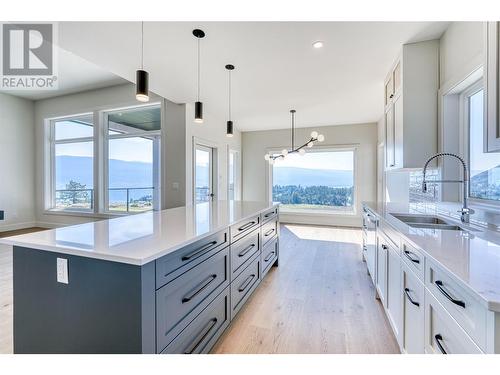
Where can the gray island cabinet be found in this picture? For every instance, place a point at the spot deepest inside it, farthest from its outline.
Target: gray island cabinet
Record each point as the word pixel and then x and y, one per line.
pixel 148 283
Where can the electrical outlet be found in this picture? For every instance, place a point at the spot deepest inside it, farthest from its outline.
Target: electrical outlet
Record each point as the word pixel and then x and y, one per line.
pixel 62 271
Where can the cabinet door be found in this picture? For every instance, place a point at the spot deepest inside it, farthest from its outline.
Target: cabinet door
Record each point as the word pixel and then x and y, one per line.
pixel 389 137
pixel 413 312
pixel 381 274
pixel 492 85
pixel 397 109
pixel 394 295
pixel 389 90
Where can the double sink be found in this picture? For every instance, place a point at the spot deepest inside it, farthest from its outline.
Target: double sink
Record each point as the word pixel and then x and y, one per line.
pixel 427 221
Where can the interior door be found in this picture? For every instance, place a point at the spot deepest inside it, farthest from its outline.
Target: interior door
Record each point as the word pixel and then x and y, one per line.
pixel 203 174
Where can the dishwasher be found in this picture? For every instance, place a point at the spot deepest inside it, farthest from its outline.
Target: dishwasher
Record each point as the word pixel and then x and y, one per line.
pixel 370 223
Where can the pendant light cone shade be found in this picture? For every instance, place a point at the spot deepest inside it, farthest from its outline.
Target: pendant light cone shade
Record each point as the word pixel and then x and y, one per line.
pixel 141 76
pixel 229 124
pixel 198 105
pixel 229 129
pixel 198 112
pixel 142 85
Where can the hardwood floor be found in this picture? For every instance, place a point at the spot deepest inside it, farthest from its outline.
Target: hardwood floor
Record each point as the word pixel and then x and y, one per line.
pixel 319 300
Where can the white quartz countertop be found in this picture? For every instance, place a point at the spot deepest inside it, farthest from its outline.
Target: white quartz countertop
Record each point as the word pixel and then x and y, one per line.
pixel 472 257
pixel 141 238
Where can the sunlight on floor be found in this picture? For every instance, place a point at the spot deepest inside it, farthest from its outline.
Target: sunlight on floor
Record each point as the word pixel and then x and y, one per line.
pixel 318 233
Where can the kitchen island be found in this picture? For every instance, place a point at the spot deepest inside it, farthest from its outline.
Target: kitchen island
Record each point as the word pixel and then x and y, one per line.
pixel 169 281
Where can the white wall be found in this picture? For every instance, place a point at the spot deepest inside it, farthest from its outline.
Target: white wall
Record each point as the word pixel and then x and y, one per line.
pixel 255 168
pixel 213 131
pixel 17 162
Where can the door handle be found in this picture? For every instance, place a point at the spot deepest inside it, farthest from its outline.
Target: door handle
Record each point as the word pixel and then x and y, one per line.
pixel 198 251
pixel 438 339
pixel 201 336
pixel 408 255
pixel 407 292
pixel 246 283
pixel 443 291
pixel 246 250
pixel 199 288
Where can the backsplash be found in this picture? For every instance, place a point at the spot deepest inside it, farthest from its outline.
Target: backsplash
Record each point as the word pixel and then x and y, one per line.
pixel 415 187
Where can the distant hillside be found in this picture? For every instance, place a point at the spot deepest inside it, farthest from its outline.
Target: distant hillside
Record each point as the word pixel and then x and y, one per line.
pixel 122 173
pixel 312 177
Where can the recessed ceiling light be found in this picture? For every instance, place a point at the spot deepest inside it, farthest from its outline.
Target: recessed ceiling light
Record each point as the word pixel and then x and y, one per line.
pixel 318 44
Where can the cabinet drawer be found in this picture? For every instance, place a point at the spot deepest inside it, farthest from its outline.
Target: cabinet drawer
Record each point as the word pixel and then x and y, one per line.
pixel 244 227
pixel 269 231
pixel 442 333
pixel 178 302
pixel 413 258
pixel 175 264
pixel 269 255
pixel 459 303
pixel 243 286
pixel 391 234
pixel 243 250
pixel 269 214
pixel 202 333
pixel 413 312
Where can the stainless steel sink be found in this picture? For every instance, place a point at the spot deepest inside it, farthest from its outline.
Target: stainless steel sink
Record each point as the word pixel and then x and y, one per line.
pixel 426 221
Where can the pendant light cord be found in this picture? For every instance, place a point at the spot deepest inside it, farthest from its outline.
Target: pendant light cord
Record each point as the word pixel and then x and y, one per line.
pixel 293 130
pixel 198 69
pixel 142 45
pixel 229 95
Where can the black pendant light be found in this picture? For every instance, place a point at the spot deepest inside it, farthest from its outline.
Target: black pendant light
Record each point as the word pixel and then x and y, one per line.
pixel 229 125
pixel 198 106
pixel 141 76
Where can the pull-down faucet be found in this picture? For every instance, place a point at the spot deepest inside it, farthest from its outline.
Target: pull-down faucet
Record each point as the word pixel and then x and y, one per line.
pixel 465 211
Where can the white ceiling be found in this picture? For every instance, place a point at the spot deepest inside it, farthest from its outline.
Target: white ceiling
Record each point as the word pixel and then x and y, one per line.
pixel 74 74
pixel 276 67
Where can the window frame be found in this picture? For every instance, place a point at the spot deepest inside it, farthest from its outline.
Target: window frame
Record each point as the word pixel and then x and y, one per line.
pixel 106 137
pixel 100 175
pixel 318 212
pixel 236 172
pixel 50 194
pixel 464 101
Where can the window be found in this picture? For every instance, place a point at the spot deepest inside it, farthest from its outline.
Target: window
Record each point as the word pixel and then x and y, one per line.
pixel 133 154
pixel 203 174
pixel 321 180
pixel 72 147
pixel 233 175
pixel 484 167
pixel 104 162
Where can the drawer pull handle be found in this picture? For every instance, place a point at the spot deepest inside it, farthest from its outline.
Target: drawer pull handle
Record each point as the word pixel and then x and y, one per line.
pixel 246 283
pixel 268 233
pixel 199 251
pixel 268 258
pixel 438 339
pixel 246 250
pixel 407 292
pixel 409 256
pixel 269 214
pixel 385 247
pixel 201 336
pixel 199 288
pixel 441 288
pixel 246 226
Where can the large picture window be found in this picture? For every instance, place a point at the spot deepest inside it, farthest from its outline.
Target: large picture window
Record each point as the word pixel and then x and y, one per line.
pixel 72 147
pixel 321 180
pixel 133 151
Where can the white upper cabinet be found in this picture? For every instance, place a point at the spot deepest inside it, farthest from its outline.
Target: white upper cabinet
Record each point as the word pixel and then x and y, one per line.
pixel 492 85
pixel 411 102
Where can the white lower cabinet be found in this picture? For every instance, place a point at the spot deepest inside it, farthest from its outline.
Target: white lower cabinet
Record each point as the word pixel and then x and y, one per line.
pixel 393 301
pixel 413 313
pixel 381 273
pixel 443 335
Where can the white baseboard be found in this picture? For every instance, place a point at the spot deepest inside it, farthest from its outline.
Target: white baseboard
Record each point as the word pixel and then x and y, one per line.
pixel 17 226
pixel 330 220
